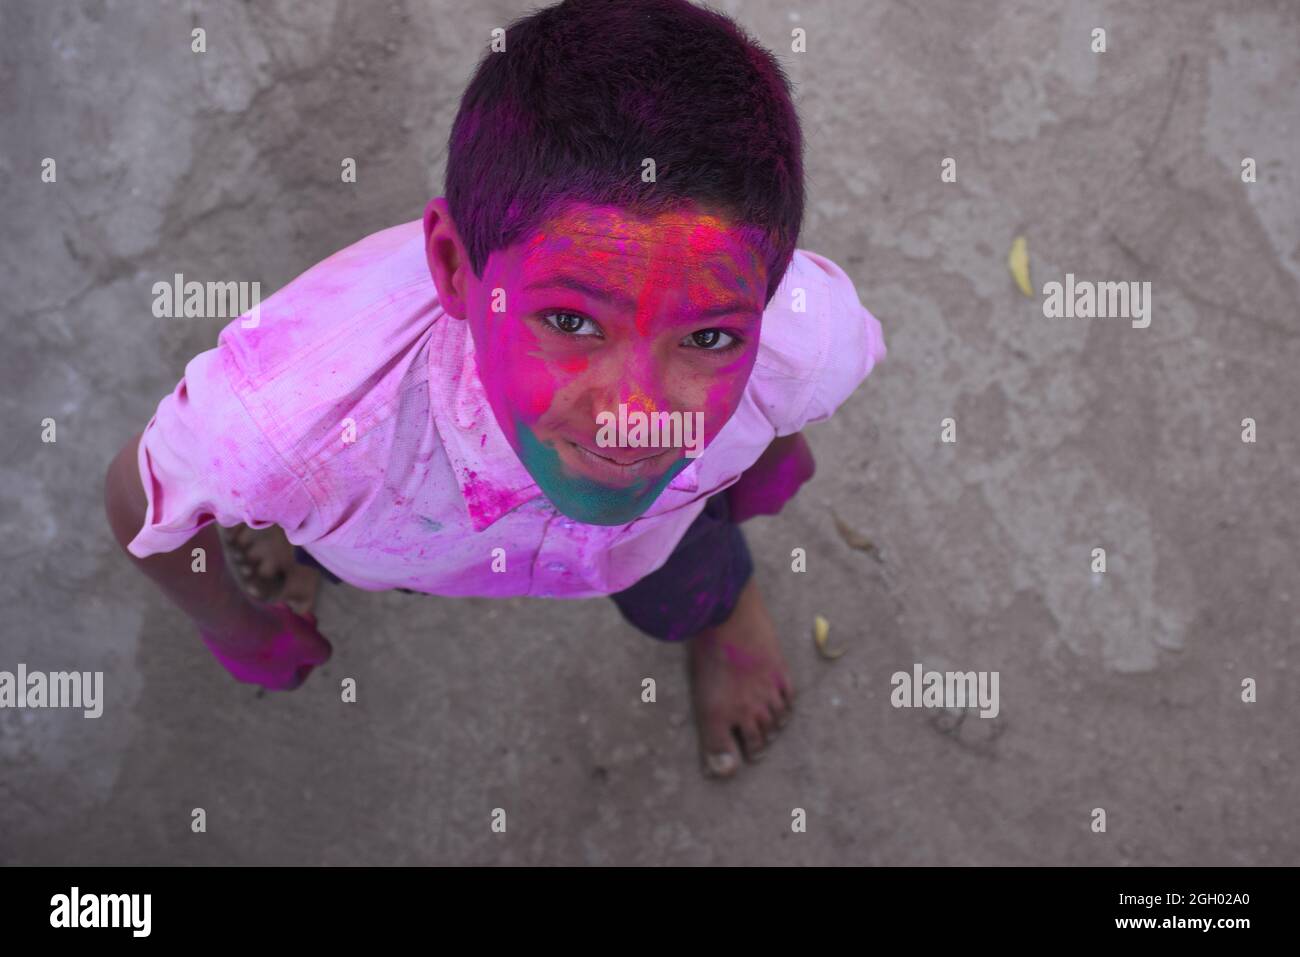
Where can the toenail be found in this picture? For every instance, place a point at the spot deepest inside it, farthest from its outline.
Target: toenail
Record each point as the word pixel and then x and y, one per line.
pixel 723 763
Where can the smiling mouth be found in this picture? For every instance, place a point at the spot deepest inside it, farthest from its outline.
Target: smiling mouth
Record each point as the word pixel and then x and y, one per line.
pixel 629 464
pixel 611 467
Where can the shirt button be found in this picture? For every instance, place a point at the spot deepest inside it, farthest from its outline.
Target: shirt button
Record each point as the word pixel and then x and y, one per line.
pixel 557 567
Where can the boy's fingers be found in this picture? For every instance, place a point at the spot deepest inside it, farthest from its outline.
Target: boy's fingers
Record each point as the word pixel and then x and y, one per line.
pixel 296 679
pixel 316 648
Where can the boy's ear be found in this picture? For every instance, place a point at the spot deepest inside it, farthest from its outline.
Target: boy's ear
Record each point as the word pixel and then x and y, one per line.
pixel 448 260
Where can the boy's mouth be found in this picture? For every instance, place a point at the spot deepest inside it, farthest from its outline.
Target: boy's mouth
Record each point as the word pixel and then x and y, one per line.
pixel 623 466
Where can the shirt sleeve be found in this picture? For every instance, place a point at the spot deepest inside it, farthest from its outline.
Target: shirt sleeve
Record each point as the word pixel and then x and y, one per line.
pixel 203 459
pixel 856 344
pixel 819 355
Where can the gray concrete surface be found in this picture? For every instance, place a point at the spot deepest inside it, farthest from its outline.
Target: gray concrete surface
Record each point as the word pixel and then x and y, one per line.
pixel 1119 691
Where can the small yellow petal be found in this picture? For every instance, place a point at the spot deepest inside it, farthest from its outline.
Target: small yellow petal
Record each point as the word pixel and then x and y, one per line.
pixel 821 630
pixel 1018 260
pixel 851 537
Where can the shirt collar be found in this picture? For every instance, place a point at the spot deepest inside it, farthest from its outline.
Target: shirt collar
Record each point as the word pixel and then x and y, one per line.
pixel 492 480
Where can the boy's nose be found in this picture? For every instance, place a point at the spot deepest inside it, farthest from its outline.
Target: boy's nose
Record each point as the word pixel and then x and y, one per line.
pixel 633 399
pixel 637 400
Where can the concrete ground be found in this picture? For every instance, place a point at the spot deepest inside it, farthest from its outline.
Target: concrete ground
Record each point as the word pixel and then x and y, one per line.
pixel 1119 691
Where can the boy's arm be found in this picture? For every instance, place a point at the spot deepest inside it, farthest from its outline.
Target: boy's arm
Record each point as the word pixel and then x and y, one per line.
pixel 212 599
pixel 770 482
pixel 267 645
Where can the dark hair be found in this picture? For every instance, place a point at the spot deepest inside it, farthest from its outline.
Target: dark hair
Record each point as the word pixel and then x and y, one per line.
pixel 586 89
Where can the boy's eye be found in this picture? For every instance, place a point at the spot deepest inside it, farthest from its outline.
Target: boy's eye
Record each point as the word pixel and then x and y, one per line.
pixel 572 324
pixel 568 322
pixel 709 339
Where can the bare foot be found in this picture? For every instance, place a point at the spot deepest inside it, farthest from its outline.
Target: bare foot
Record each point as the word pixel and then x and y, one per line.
pixel 263 560
pixel 740 685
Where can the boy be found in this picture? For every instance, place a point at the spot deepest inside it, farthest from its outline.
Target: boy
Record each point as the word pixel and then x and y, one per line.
pixel 422 410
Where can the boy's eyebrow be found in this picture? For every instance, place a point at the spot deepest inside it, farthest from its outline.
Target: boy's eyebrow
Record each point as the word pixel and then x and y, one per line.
pixel 564 281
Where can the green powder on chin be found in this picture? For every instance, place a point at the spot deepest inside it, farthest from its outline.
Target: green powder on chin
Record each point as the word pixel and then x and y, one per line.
pixel 584 499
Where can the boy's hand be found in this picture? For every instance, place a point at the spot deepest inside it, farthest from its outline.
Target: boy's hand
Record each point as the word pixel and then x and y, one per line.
pixel 277 649
pixel 769 483
pixel 267 645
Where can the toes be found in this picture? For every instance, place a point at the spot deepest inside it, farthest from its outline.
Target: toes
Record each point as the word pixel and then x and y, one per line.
pixel 721 756
pixel 780 716
pixel 787 696
pixel 779 704
pixel 751 738
pixel 723 764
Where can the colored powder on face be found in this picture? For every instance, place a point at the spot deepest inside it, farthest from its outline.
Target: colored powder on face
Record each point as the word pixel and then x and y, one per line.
pixel 528 379
pixel 573 364
pixel 583 499
pixel 639 401
pixel 528 384
pixel 658 280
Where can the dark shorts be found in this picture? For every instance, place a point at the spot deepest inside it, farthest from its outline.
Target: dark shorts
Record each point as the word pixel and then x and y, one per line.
pixel 697 587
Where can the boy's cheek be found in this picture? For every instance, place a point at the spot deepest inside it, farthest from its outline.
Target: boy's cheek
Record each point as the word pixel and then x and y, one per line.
pixel 560 391
pixel 722 398
pixel 532 389
pixel 557 386
pixel 513 373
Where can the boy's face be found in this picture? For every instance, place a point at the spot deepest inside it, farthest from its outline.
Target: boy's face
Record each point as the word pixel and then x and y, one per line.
pixel 600 308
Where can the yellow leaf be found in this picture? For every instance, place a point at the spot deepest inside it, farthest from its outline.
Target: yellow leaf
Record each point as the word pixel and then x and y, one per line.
pixel 1018 260
pixel 821 631
pixel 851 537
